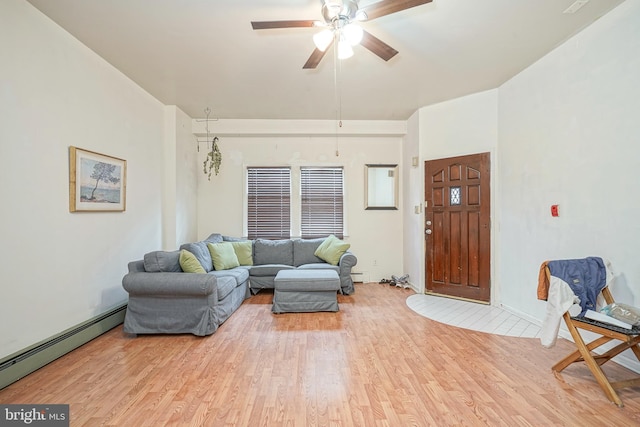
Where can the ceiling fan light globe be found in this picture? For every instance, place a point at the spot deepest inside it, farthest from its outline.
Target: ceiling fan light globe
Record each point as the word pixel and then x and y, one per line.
pixel 344 49
pixel 353 33
pixel 323 39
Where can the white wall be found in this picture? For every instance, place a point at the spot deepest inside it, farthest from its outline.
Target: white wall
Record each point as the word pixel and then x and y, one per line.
pixel 187 169
pixel 58 268
pixel 169 176
pixel 569 135
pixel 413 196
pixel 458 127
pixel 375 235
pixel 180 180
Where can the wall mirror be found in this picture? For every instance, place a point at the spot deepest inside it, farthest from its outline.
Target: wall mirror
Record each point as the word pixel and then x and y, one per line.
pixel 381 187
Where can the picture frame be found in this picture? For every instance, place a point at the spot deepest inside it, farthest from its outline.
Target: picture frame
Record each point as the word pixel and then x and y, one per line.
pixel 97 182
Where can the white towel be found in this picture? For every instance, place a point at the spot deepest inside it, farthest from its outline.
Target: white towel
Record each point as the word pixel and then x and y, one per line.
pixel 560 299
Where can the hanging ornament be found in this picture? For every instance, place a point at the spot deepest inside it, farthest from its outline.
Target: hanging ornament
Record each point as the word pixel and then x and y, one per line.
pixel 213 160
pixel 214 157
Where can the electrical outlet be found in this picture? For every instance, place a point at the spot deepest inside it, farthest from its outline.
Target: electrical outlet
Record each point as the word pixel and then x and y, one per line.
pixel 375 262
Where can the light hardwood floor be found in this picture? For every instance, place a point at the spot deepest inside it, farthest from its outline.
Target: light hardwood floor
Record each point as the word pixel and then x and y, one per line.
pixel 374 363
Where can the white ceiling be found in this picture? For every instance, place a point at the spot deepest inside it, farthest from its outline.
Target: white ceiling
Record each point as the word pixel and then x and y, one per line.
pixel 204 53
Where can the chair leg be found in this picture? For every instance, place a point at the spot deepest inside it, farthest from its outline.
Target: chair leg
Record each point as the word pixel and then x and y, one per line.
pixel 576 356
pixel 613 352
pixel 636 350
pixel 593 366
pixel 596 370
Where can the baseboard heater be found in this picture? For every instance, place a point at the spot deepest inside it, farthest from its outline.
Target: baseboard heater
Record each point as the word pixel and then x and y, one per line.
pixel 22 363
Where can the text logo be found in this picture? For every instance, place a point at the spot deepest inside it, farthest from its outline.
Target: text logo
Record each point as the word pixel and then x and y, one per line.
pixel 34 415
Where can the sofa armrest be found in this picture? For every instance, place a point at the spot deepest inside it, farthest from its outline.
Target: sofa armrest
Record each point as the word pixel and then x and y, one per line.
pixel 170 284
pixel 137 265
pixel 347 261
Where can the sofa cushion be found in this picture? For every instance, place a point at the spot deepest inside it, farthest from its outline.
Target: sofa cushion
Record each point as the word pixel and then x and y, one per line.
pixel 226 285
pixel 223 255
pixel 244 251
pixel 304 249
pixel 273 252
pixel 240 274
pixel 201 251
pixel 268 269
pixel 319 266
pixel 162 261
pixel 306 281
pixel 332 249
pixel 189 263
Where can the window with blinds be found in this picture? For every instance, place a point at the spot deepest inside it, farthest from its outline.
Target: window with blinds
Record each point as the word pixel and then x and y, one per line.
pixel 321 202
pixel 269 203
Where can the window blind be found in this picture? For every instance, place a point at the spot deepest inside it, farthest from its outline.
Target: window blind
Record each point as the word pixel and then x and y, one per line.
pixel 321 202
pixel 269 203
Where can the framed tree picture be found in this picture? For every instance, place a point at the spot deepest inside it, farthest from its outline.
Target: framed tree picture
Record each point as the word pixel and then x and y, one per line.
pixel 97 182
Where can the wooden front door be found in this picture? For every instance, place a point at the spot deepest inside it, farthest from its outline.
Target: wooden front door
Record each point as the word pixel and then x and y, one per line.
pixel 457 228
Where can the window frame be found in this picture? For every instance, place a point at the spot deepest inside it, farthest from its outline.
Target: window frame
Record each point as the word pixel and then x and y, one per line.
pixel 323 195
pixel 295 196
pixel 282 232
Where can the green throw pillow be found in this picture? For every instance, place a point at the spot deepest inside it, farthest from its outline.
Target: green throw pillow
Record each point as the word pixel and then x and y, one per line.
pixel 244 252
pixel 189 263
pixel 332 249
pixel 223 255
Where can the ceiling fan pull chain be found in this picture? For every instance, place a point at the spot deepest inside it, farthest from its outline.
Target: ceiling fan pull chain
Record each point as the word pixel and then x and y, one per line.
pixel 338 98
pixel 207 111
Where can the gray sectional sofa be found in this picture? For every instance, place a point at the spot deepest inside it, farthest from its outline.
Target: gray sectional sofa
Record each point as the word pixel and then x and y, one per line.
pixel 164 299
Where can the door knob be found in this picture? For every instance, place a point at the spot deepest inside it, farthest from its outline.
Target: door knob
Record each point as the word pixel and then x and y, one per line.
pixel 428 231
pixel 428 222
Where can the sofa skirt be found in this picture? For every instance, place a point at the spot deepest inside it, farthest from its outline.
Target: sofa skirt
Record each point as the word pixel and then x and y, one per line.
pixel 170 315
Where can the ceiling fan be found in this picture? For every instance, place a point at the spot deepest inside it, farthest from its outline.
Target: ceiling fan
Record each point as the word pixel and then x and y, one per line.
pixel 340 25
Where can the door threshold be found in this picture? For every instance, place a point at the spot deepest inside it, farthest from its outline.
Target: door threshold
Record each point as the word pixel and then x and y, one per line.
pixel 435 294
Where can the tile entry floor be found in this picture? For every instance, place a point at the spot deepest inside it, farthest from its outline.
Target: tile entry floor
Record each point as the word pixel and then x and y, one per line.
pixel 474 316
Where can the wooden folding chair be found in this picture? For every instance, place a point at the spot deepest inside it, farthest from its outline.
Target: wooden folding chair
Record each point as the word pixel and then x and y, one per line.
pixel 629 340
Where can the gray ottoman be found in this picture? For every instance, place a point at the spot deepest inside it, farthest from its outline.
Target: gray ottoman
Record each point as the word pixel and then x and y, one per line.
pixel 306 291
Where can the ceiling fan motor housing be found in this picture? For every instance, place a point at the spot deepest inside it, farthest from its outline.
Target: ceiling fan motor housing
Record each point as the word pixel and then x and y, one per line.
pixel 339 10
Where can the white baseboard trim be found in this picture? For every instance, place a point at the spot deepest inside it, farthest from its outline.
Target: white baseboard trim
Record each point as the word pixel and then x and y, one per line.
pixel 22 363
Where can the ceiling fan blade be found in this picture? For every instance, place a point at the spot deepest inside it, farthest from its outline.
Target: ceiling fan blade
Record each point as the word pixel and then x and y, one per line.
pixel 269 25
pixel 387 7
pixel 377 46
pixel 315 58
